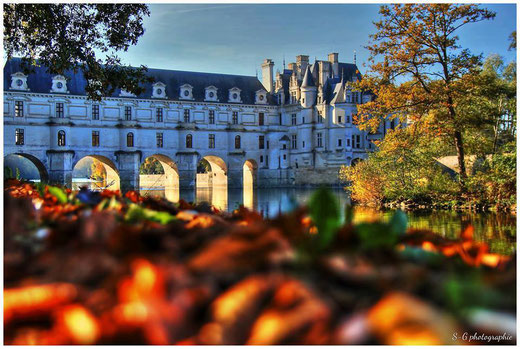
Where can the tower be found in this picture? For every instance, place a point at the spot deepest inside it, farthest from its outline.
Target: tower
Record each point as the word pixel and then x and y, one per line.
pixel 308 90
pixel 267 75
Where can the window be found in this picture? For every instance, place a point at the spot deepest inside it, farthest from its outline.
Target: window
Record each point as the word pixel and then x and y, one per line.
pixel 189 141
pixel 294 143
pixel 284 156
pixel 128 113
pixel 280 118
pixel 18 109
pixel 159 138
pixel 211 116
pixel 59 110
pixel 267 160
pixel 261 142
pixel 212 141
pixel 320 117
pixel 95 112
pixel 392 124
pixel 235 118
pixel 356 141
pixel 186 115
pixel 129 139
pixel 159 114
pixel 340 143
pixel 19 136
pixel 261 158
pixel 284 146
pixel 303 144
pixel 319 140
pixel 267 145
pixel 293 119
pixel 61 138
pixel 348 142
pixel 347 119
pixel 339 119
pixel 303 119
pixel 260 119
pixel 237 142
pixel 95 138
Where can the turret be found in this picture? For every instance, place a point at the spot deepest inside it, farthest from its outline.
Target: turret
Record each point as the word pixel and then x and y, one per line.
pixel 308 90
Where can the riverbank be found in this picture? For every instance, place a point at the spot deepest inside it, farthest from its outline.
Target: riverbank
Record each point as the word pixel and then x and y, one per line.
pixel 411 205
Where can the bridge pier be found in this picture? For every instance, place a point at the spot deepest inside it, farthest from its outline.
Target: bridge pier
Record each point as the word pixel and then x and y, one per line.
pixel 60 167
pixel 128 165
pixel 187 167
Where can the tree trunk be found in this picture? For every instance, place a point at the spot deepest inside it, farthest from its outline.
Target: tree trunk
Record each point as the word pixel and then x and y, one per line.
pixel 460 157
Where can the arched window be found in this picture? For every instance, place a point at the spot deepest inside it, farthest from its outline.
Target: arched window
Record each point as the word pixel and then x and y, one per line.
pixel 189 141
pixel 61 138
pixel 129 139
pixel 237 142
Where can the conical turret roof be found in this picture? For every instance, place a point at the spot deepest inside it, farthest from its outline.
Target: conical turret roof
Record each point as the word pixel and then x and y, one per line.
pixel 308 81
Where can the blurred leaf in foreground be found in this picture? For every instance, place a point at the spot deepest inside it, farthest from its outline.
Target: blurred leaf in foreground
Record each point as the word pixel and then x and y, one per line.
pixel 325 213
pixel 58 193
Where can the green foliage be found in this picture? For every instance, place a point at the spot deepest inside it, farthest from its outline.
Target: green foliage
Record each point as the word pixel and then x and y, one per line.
pixel 59 193
pixel 151 166
pixel 325 213
pixel 67 36
pixel 137 213
pixel 379 234
pixel 8 173
pixel 404 167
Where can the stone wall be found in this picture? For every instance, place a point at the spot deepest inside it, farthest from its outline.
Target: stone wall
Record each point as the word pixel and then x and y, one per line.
pixel 322 176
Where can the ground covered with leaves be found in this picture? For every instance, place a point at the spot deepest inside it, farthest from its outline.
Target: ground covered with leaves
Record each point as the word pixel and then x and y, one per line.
pixel 102 268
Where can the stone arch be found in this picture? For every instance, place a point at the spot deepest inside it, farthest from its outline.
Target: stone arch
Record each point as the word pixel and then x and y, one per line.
pixel 111 179
pixel 40 167
pixel 355 161
pixel 168 180
pixel 250 170
pixel 212 186
pixel 218 172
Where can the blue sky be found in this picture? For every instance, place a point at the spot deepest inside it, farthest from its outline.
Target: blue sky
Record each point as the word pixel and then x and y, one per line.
pixel 235 38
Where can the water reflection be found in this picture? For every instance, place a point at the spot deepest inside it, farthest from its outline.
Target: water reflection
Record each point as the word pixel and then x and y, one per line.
pixel 498 229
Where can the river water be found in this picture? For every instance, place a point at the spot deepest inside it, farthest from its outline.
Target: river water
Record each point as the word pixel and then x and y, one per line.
pixel 497 229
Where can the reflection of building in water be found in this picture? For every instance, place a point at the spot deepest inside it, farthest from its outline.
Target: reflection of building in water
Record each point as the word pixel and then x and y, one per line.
pixel 217 195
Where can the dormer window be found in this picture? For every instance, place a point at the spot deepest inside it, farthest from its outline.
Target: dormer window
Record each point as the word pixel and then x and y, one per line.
pixel 261 97
pixel 59 84
pixel 159 90
pixel 186 91
pixel 234 95
pixel 19 81
pixel 211 94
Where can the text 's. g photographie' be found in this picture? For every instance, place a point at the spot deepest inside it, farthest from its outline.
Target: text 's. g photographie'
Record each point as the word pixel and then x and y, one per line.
pixel 259 173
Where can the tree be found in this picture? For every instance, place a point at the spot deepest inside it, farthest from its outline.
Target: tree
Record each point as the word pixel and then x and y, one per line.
pixel 66 37
pixel 423 71
pixel 151 166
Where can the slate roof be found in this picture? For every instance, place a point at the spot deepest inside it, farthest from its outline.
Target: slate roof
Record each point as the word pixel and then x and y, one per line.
pixel 41 80
pixel 307 79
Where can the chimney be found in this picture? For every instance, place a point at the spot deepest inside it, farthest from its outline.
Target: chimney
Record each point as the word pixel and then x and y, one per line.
pixel 302 61
pixel 333 59
pixel 292 66
pixel 267 75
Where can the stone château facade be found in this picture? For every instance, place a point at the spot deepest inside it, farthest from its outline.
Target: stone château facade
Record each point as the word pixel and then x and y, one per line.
pixel 292 128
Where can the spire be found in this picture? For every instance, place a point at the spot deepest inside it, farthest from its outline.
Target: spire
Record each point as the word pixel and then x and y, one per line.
pixel 354 56
pixel 307 79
